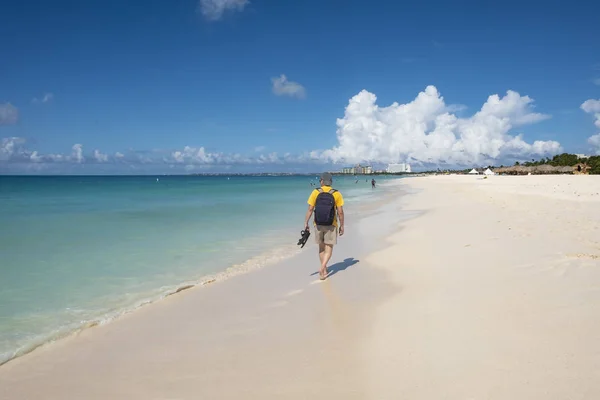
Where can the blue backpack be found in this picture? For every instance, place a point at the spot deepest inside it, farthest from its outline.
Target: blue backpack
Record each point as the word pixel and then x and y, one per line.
pixel 325 207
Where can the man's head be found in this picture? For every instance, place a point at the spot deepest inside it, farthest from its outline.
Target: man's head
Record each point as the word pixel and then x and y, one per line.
pixel 326 179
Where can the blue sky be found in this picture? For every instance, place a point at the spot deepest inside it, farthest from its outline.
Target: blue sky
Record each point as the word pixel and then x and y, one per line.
pixel 165 86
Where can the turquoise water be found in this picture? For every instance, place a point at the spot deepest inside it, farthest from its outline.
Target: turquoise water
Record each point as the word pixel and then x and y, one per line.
pixel 76 250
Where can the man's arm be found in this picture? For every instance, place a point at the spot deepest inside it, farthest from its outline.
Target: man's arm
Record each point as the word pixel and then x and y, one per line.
pixel 312 201
pixel 307 216
pixel 340 211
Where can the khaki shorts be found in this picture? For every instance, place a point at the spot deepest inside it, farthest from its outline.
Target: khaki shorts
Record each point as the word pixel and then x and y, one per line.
pixel 326 235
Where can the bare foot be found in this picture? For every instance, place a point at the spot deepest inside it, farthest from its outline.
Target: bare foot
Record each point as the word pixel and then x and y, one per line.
pixel 323 273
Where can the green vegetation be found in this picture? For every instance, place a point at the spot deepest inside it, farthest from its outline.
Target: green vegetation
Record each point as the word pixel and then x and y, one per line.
pixel 594 163
pixel 559 160
pixel 566 160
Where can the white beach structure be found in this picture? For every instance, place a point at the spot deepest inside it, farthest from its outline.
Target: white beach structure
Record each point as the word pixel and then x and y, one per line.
pixel 473 172
pixel 489 172
pixel 396 168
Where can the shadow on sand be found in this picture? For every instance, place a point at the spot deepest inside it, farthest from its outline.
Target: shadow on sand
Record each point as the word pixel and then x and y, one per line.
pixel 337 267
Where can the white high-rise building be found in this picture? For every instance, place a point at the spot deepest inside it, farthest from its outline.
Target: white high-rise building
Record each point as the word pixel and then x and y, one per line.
pixel 397 168
pixel 358 170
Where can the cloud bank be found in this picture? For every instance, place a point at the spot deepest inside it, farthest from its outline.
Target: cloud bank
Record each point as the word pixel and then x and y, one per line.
pixel 200 156
pixel 592 106
pixel 425 131
pixel 14 150
pixel 9 114
pixel 16 156
pixel 283 87
pixel 214 10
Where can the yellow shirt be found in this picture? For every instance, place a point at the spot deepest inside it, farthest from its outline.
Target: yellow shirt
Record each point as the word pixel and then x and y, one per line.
pixel 339 200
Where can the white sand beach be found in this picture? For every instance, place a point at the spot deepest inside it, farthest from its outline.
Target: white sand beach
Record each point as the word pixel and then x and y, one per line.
pixel 466 288
pixel 499 297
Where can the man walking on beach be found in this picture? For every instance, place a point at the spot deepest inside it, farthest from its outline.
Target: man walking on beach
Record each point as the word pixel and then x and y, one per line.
pixel 327 204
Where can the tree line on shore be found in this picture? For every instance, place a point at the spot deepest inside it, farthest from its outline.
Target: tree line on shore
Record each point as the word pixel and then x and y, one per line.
pixel 566 160
pixel 559 160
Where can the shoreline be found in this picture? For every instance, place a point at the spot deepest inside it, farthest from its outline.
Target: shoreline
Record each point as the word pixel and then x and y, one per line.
pixel 251 264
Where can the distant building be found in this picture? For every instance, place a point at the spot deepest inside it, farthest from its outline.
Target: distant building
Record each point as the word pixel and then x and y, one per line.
pixel 580 156
pixel 358 170
pixel 398 168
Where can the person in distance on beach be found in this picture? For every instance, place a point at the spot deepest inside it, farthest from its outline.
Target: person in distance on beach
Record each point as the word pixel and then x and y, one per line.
pixel 327 205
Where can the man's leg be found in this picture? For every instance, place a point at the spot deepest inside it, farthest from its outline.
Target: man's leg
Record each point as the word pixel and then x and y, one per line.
pixel 329 240
pixel 325 256
pixel 320 239
pixel 321 252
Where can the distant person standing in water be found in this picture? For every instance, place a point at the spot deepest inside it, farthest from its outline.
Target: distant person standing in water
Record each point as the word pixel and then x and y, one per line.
pixel 372 183
pixel 327 205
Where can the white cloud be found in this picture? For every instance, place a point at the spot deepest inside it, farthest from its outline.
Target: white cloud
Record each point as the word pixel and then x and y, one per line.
pixel 46 98
pixel 215 9
pixel 10 147
pixel 454 108
pixel 77 153
pixel 100 157
pixel 9 114
pixel 199 156
pixel 595 142
pixel 35 157
pixel 14 150
pixel 55 158
pixel 425 131
pixel 258 149
pixel 193 155
pixel 592 106
pixel 283 87
pixel 271 158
